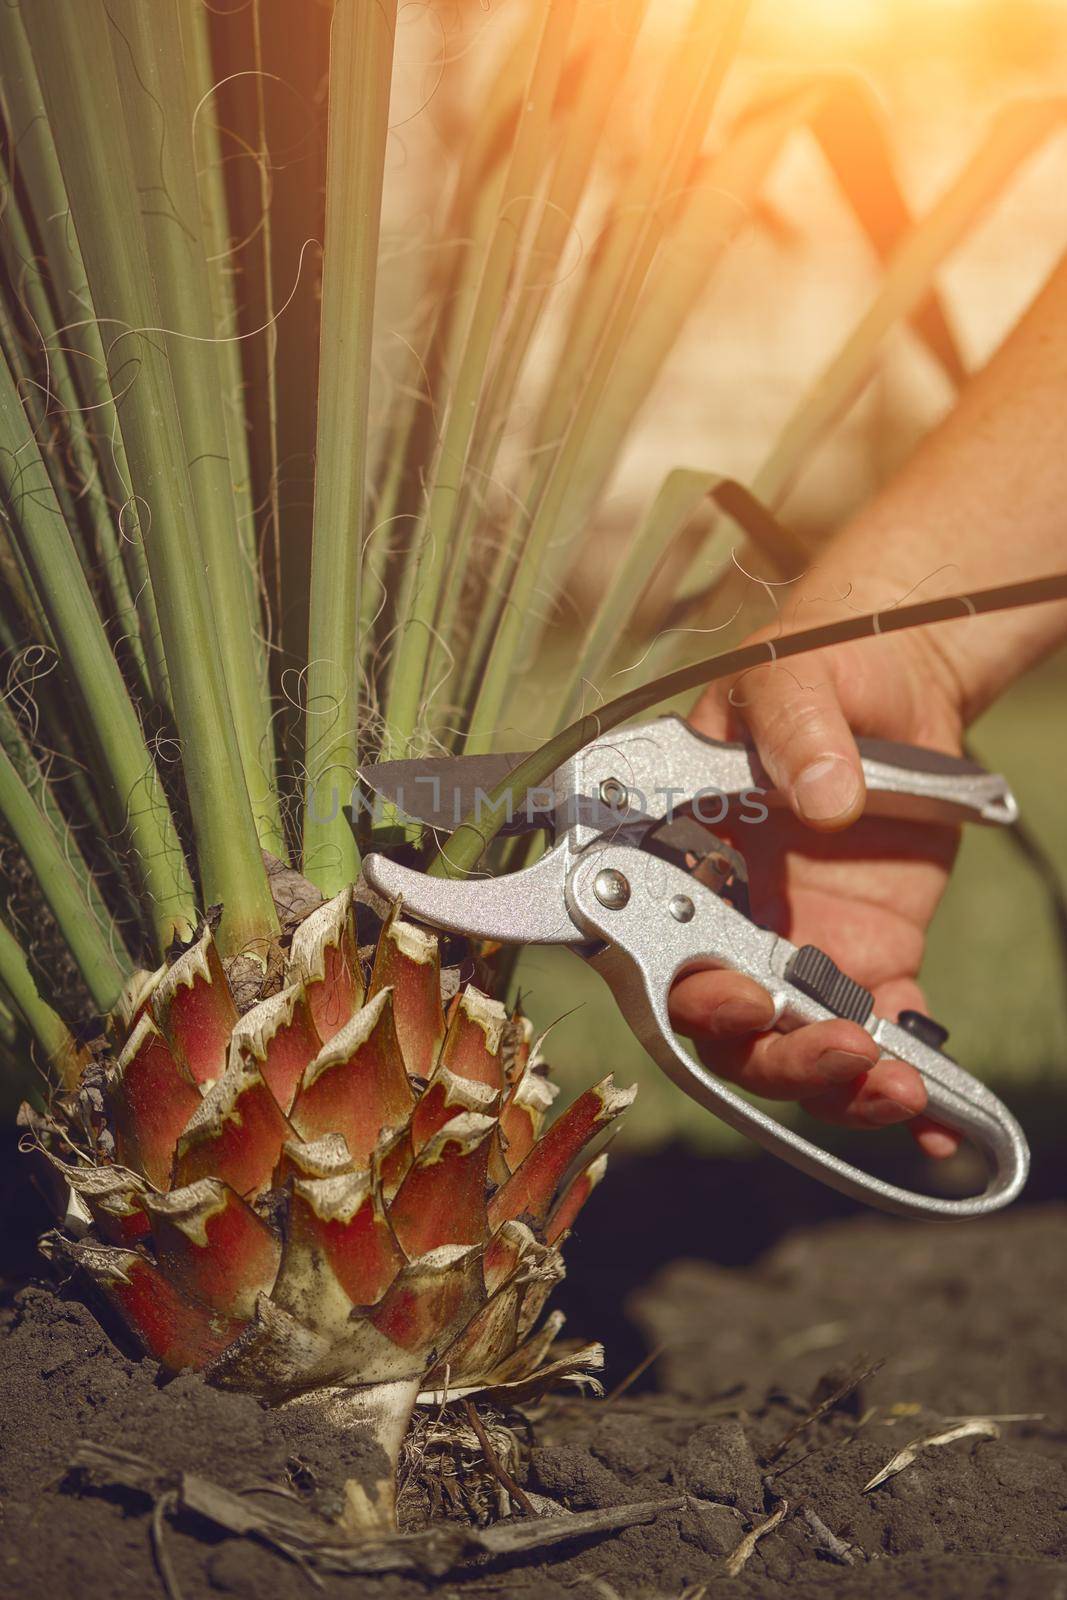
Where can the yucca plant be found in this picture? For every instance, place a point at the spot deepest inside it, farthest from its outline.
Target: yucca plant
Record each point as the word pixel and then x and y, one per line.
pixel 296 1150
pixel 423 1213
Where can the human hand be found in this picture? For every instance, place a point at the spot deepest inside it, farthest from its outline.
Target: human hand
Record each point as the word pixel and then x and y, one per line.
pixel 865 898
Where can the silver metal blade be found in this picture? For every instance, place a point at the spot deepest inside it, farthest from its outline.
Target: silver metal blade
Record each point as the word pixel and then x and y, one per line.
pixel 442 790
pixel 524 907
pixel 667 760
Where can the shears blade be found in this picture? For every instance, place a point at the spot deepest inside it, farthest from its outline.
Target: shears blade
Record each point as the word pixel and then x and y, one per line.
pixel 441 791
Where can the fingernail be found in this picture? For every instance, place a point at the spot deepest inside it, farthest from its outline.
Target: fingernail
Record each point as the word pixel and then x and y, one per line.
pixel 745 1016
pixel 826 789
pixel 842 1065
pixel 882 1111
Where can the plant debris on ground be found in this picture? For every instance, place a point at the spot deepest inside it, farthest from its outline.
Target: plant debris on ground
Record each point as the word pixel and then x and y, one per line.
pixel 685 1490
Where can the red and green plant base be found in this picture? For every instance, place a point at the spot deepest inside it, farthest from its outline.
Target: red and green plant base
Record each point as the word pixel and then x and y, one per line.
pixel 341 1195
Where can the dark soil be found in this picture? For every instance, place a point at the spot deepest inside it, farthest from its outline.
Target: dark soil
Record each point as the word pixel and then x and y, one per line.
pixel 966 1320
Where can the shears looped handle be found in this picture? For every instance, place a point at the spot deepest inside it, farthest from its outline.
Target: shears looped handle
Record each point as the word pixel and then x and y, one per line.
pixel 641 922
pixel 652 922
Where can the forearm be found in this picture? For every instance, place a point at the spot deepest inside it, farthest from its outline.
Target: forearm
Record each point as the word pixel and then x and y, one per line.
pixel 982 501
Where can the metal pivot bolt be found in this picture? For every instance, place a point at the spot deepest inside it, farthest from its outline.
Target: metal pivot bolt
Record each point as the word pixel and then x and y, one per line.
pixel 611 889
pixel 682 908
pixel 614 794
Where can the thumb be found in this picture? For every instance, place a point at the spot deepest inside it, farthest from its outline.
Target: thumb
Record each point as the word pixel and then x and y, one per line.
pixel 804 741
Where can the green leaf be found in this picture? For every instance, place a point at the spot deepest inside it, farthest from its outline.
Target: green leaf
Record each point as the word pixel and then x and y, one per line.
pixel 99 965
pixel 22 757
pixel 406 684
pixel 107 72
pixel 134 796
pixel 716 206
pixel 221 272
pixel 601 64
pixel 361 54
pixel 60 305
pixel 50 1032
pixel 682 492
pixel 693 83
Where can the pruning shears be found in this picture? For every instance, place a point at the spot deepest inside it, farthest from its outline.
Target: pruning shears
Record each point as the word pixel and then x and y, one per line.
pixel 636 884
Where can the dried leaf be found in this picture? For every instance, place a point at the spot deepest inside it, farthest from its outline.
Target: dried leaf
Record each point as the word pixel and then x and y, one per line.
pixel 971 1427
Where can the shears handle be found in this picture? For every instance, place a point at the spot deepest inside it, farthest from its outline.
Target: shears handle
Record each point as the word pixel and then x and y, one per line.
pixel 652 922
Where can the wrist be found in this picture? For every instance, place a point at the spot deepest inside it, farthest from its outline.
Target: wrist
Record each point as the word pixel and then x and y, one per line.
pixel 985 655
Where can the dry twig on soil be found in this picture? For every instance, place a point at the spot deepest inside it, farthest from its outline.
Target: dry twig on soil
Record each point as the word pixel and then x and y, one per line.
pixel 737 1558
pixel 302 1539
pixel 635 1373
pixel 842 1392
pixel 839 1550
pixel 517 1493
